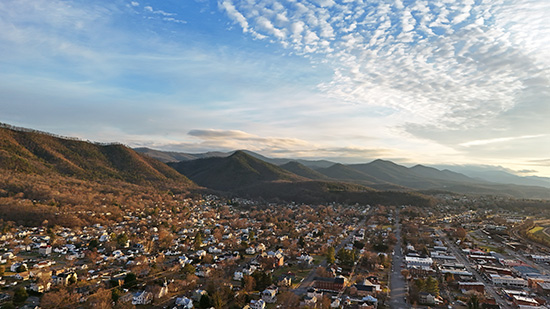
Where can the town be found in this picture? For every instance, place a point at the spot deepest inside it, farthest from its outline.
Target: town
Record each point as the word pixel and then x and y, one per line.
pixel 209 252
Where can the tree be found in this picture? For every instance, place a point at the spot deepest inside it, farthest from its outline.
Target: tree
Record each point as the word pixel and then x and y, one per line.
pixel 249 283
pixel 198 240
pixel 205 302
pixel 122 239
pixel 102 299
pixel 20 295
pixel 330 255
pixel 288 299
pixel 432 286
pixel 58 299
pixel 21 268
pixel 473 303
pixel 130 280
pixel 301 242
pixel 461 233
pixel 188 269
pixel 94 243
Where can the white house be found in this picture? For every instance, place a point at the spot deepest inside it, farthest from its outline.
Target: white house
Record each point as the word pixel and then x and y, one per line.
pixel 142 298
pixel 257 304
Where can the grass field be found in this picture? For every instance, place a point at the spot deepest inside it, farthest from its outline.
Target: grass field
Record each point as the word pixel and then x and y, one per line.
pixel 536 229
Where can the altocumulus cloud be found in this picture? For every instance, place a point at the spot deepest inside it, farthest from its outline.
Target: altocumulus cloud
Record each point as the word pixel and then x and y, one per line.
pixel 449 65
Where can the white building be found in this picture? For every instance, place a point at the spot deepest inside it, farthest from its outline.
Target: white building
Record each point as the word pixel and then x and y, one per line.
pixel 257 304
pixel 507 280
pixel 418 261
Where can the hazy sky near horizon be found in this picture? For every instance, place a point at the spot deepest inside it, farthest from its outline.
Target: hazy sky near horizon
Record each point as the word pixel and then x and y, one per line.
pixel 433 82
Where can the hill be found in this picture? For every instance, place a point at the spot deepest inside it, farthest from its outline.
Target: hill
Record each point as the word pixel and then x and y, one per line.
pixel 168 156
pixel 34 152
pixel 302 170
pixel 347 173
pixel 234 172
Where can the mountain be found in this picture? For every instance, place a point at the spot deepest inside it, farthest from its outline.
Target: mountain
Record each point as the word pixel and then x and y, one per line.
pixel 281 161
pixel 498 175
pixel 433 173
pixel 390 172
pixel 347 173
pixel 236 171
pixel 302 170
pixel 28 151
pixel 170 156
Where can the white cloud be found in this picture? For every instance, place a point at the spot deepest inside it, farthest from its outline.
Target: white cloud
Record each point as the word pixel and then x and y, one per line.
pixel 451 69
pixel 499 140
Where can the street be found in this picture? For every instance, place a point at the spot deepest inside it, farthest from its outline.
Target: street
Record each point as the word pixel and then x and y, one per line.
pixel 398 285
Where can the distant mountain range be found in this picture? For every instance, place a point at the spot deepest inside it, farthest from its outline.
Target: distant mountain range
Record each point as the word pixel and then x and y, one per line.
pixel 242 173
pixel 378 174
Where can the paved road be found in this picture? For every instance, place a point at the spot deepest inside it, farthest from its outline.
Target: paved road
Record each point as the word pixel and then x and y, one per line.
pixel 398 286
pixel 460 257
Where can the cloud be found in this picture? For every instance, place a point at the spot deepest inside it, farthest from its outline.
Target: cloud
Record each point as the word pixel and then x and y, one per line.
pixel 526 171
pixel 159 12
pixel 499 140
pixel 228 140
pixel 450 65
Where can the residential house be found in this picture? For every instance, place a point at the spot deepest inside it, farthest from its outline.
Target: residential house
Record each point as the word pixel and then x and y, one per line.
pixel 184 303
pixel 142 298
pixel 257 304
pixel 64 278
pixel 269 296
pixel 45 250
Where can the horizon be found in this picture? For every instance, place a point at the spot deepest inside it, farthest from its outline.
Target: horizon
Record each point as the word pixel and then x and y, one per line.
pixel 426 82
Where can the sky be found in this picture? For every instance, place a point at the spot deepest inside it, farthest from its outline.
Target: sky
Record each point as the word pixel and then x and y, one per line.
pixel 430 82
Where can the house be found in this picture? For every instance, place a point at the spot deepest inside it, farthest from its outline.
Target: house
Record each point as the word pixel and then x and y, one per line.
pixel 197 294
pixel 257 304
pixel 250 250
pixel 269 296
pixel 45 250
pixel 40 288
pixel 142 298
pixel 64 278
pixel 162 291
pixel 306 260
pixel 184 303
pixel 15 266
pixel 286 281
pixel 22 275
pixel 238 276
pixel 426 298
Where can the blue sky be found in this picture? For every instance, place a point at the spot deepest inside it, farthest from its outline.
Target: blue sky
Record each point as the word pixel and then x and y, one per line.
pixel 433 82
